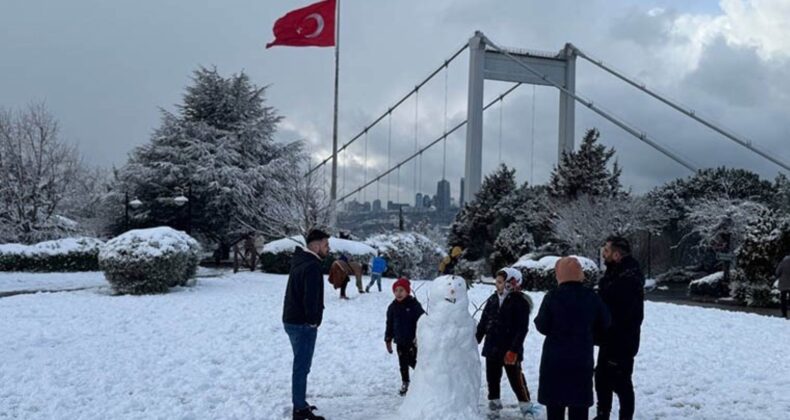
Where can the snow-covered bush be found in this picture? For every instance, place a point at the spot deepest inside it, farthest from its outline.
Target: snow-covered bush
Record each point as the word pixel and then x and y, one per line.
pixel 766 242
pixel 749 293
pixel 70 254
pixel 408 254
pixel 540 275
pixel 472 271
pixel 149 260
pixel 276 255
pixel 512 242
pixel 711 285
pixel 680 275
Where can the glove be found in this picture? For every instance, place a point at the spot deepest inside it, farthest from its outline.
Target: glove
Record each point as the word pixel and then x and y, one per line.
pixel 511 358
pixel 389 346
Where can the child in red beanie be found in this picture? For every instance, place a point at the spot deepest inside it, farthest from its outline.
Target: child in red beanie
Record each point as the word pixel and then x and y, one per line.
pixel 402 316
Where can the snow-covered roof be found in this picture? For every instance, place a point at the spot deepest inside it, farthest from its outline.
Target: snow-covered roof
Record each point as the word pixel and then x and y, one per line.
pixel 56 247
pixel 344 246
pixel 148 243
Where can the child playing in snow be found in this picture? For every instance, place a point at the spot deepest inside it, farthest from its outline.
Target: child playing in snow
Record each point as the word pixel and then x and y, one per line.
pixel 504 325
pixel 402 316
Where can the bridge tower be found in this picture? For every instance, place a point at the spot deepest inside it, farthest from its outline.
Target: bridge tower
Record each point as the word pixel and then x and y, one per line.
pixel 488 64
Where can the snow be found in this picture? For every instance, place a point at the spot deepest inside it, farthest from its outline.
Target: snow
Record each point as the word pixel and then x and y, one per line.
pixel 447 382
pixel 218 350
pixel 50 248
pixel 710 279
pixel 548 262
pixel 15 281
pixel 147 244
pixel 344 246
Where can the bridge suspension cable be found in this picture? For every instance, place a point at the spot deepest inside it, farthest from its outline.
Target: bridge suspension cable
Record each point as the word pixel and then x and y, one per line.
pixel 641 135
pixel 392 108
pixel 444 136
pixel 688 112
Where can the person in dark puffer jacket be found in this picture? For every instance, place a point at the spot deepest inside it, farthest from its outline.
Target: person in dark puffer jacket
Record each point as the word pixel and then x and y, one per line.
pixel 402 316
pixel 504 325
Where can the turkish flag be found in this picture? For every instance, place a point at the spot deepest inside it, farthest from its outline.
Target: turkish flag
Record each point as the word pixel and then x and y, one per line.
pixel 311 26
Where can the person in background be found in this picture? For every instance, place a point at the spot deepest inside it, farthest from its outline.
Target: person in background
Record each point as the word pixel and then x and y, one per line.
pixel 783 275
pixel 448 263
pixel 378 266
pixel 339 273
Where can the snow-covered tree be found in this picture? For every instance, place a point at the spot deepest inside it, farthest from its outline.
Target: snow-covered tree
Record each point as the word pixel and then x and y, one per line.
pixel 475 228
pixel 782 198
pixel 219 150
pixel 766 242
pixel 586 171
pixel 38 172
pixel 583 224
pixel 716 220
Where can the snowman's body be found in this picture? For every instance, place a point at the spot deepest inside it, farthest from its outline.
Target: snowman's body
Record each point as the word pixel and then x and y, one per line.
pixel 446 381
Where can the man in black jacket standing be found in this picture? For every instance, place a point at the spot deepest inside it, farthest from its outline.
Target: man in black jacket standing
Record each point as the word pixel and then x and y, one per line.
pixel 303 310
pixel 622 290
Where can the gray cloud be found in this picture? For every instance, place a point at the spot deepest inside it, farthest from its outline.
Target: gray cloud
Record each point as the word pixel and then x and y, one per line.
pixel 104 69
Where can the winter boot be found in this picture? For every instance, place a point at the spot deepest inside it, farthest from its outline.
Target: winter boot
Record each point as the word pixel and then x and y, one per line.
pixel 601 415
pixel 404 389
pixel 306 414
pixel 529 410
pixel 494 407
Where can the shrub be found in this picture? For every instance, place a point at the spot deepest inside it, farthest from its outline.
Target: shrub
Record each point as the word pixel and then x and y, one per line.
pixel 69 254
pixel 712 286
pixel 149 260
pixel 276 255
pixel 540 275
pixel 408 254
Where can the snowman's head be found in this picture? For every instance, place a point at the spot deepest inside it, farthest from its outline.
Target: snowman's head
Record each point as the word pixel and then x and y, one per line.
pixel 449 291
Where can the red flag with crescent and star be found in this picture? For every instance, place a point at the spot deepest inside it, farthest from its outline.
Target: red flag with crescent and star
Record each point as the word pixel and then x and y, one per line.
pixel 310 26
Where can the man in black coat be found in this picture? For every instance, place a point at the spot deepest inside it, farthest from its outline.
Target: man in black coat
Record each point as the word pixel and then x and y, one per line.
pixel 303 309
pixel 570 317
pixel 622 290
pixel 504 325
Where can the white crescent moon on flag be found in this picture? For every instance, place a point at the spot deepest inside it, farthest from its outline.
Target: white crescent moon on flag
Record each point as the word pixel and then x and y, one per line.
pixel 319 20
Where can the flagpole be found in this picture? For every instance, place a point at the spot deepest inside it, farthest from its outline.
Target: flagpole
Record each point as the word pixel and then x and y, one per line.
pixel 333 189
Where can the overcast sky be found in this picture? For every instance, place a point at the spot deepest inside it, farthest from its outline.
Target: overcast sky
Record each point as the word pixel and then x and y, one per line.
pixel 105 68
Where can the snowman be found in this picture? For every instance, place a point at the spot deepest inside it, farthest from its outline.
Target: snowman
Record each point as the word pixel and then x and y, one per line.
pixel 446 381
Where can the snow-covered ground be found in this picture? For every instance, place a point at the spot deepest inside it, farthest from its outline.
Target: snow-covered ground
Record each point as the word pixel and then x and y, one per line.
pixel 218 351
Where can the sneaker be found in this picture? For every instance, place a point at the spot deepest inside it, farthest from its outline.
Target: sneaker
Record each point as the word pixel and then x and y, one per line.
pixel 529 410
pixel 306 414
pixel 404 389
pixel 495 405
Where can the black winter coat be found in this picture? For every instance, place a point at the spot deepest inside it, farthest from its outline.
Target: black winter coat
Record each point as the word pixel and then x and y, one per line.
pixel 504 328
pixel 402 320
pixel 304 294
pixel 622 289
pixel 570 317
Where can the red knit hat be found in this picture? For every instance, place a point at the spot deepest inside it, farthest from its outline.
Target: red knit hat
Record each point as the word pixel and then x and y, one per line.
pixel 404 283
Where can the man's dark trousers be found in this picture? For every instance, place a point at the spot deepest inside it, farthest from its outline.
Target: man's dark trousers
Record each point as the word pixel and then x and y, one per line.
pixel 614 376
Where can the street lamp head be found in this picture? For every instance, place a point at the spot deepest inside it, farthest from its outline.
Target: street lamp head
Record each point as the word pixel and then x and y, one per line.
pixel 135 203
pixel 180 200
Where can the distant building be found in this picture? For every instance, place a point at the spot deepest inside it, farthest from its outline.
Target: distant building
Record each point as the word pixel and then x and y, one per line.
pixel 377 206
pixel 418 201
pixel 426 201
pixel 442 195
pixel 461 200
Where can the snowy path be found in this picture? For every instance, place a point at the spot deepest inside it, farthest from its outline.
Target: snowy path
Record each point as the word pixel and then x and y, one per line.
pixel 218 351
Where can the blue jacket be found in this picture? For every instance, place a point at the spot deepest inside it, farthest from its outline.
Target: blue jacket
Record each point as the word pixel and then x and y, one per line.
pixel 379 265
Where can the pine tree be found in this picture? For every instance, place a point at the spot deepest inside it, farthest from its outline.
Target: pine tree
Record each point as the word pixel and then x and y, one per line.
pixel 475 228
pixel 585 172
pixel 219 148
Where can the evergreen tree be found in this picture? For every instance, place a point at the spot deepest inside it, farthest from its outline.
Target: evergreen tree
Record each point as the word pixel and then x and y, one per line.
pixel 475 228
pixel 219 149
pixel 586 172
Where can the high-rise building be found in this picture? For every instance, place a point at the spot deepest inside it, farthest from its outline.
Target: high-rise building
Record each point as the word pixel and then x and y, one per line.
pixel 461 200
pixel 443 195
pixel 377 206
pixel 426 201
pixel 418 201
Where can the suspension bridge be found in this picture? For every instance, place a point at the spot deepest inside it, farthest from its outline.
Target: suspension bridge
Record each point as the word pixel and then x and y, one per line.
pixel 490 61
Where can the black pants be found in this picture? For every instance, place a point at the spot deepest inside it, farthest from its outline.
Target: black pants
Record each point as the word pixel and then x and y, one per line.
pixel 343 288
pixel 514 374
pixel 784 297
pixel 614 377
pixel 407 357
pixel 556 412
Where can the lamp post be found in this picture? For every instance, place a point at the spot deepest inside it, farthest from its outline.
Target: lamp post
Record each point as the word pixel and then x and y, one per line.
pixel 134 204
pixel 180 200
